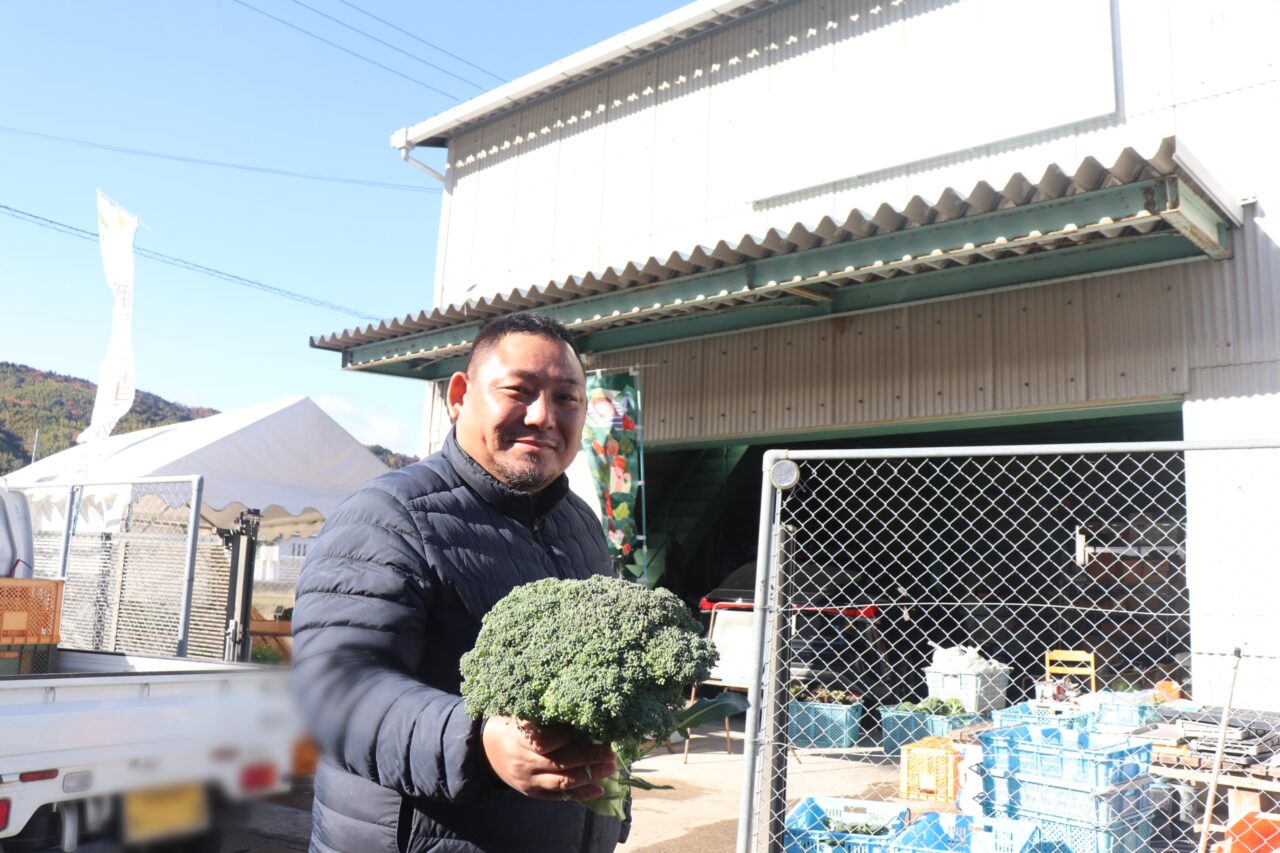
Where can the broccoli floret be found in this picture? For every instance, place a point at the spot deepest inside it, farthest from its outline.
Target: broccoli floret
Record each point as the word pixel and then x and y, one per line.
pixel 606 657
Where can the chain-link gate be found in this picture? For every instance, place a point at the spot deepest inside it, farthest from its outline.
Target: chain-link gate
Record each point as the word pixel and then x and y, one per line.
pixel 141 576
pixel 993 646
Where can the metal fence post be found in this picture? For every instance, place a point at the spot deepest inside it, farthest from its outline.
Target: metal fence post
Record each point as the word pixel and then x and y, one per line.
pixel 759 626
pixel 73 496
pixel 188 585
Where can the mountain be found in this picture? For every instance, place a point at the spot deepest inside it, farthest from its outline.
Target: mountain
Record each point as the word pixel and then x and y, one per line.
pixel 390 458
pixel 60 406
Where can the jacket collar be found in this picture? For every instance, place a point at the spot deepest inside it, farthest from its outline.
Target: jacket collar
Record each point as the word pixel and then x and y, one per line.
pixel 524 507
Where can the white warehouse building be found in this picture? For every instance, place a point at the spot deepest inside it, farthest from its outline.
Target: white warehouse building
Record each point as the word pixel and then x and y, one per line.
pixel 862 223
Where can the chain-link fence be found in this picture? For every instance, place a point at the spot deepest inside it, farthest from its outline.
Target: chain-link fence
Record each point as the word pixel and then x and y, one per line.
pixel 999 649
pixel 140 576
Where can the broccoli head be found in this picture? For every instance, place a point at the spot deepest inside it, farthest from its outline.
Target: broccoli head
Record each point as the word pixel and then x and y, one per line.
pixel 606 657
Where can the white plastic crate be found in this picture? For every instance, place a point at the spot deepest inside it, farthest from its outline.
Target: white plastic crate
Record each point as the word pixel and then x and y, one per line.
pixel 980 692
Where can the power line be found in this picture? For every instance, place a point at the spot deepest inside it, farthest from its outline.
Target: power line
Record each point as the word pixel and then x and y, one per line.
pixel 243 167
pixel 342 23
pixel 423 41
pixel 345 50
pixel 182 263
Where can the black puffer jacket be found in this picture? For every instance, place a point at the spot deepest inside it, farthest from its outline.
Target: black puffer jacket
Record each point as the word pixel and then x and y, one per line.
pixel 390 598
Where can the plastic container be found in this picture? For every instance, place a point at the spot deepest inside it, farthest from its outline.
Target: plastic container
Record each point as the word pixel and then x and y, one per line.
pixel 930 770
pixel 1065 755
pixel 1059 836
pixel 1033 798
pixel 903 727
pixel 980 692
pixel 805 830
pixel 30 612
pixel 1126 710
pixel 945 832
pixel 824 724
pixel 1061 714
pixel 1254 832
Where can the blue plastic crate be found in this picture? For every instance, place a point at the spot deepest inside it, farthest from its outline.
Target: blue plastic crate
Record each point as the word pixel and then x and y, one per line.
pixel 933 832
pixel 1126 710
pixel 1029 797
pixel 824 724
pixel 1129 836
pixel 805 832
pixel 1065 755
pixel 1026 714
pixel 902 727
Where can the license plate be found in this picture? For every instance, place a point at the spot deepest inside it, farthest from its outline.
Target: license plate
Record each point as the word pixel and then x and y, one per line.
pixel 164 813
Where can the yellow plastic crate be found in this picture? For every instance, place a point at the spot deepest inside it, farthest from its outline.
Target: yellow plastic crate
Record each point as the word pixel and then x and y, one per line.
pixel 30 612
pixel 930 770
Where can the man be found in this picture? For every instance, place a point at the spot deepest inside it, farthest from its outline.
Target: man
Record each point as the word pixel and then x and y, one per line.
pixel 392 595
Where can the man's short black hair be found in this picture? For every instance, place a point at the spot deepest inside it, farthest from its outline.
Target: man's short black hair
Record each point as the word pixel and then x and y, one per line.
pixel 496 329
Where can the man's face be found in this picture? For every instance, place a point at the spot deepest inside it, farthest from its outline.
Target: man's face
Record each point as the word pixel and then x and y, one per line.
pixel 520 409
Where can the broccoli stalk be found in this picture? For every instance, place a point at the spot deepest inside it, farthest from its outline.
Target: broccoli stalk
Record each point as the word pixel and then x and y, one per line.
pixel 607 658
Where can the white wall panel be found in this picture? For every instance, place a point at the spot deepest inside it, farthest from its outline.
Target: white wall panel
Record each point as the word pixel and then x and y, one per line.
pixel 678 197
pixel 537 197
pixel 624 211
pixel 577 195
pixel 495 211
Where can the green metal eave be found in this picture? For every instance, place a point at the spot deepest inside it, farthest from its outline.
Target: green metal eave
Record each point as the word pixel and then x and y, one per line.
pixel 1144 223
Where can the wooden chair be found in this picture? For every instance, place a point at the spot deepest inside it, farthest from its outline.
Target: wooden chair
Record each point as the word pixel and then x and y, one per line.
pixel 1078 663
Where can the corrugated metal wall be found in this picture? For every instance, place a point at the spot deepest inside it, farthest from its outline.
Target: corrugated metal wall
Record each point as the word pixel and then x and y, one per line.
pixel 1158 333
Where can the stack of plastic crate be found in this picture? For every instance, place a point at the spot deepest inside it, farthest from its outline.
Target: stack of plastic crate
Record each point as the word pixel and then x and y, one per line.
pixel 898 728
pixel 1120 713
pixel 934 832
pixel 1064 715
pixel 1088 793
pixel 824 824
pixel 30 618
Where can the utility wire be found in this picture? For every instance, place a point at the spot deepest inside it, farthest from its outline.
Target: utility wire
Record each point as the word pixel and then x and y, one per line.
pixel 345 50
pixel 182 263
pixel 423 41
pixel 342 23
pixel 178 158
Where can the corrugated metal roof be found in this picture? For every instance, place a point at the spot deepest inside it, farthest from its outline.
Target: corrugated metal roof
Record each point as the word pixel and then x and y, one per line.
pixel 1056 184
pixel 682 24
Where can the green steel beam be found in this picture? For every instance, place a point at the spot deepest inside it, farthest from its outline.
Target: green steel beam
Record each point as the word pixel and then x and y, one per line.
pixel 1198 230
pixel 1194 219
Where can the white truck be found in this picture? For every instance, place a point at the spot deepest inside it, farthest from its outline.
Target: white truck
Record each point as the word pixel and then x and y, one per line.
pixel 133 749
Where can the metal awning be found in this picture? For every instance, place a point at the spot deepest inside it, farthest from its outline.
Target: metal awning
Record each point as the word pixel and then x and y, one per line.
pixel 1140 211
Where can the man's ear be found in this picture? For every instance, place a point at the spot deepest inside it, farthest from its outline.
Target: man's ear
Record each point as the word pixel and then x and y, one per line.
pixel 458 384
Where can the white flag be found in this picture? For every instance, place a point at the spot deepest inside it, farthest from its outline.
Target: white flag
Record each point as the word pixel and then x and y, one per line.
pixel 116 227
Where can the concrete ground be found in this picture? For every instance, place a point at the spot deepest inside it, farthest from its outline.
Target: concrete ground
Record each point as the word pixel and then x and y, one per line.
pixel 701 812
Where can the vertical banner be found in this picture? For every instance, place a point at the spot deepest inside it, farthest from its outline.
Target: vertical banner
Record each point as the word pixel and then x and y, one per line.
pixel 611 441
pixel 116 227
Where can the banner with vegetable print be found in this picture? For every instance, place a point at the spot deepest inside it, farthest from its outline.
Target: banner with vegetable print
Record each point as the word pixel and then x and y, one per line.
pixel 612 443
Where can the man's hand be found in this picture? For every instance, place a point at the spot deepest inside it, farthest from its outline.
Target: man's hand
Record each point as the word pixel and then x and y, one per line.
pixel 546 763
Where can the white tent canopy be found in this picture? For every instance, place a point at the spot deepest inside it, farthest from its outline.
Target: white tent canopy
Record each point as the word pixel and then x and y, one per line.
pixel 286 458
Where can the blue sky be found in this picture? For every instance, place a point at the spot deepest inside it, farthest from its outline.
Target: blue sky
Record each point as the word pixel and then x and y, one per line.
pixel 215 80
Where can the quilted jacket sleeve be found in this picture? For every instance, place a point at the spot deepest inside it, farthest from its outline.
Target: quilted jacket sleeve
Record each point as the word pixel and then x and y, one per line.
pixel 364 596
